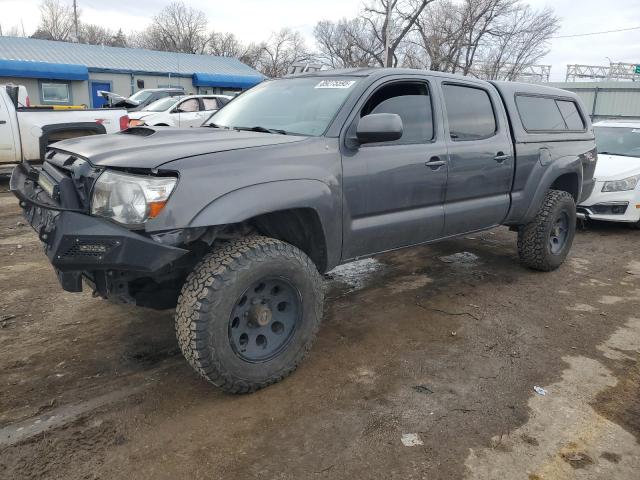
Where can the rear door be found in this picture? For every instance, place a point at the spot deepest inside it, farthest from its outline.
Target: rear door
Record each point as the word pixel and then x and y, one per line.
pixel 481 159
pixel 189 113
pixel 208 106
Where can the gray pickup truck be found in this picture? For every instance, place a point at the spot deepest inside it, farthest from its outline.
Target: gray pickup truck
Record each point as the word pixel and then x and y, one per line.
pixel 232 223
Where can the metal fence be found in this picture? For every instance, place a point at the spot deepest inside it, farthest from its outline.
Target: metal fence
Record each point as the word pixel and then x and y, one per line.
pixel 607 100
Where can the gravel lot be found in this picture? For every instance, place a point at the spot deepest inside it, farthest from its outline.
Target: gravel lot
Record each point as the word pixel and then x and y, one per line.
pixel 440 353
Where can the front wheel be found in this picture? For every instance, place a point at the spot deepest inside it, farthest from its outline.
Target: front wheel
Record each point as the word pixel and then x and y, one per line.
pixel 249 312
pixel 544 243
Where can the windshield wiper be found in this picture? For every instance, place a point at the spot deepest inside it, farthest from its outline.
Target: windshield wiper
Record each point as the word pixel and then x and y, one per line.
pixel 261 129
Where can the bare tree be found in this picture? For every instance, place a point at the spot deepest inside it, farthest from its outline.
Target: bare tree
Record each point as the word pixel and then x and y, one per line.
pixel 176 28
pixel 94 34
pixel 224 45
pixel 283 49
pixel 13 31
pixel 390 21
pixel 56 21
pixel 520 41
pixel 483 37
pixel 339 43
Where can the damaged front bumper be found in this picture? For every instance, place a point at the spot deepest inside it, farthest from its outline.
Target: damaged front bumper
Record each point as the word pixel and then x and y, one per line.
pixel 78 244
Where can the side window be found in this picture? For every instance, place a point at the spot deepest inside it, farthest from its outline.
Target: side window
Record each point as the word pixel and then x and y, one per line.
pixel 470 113
pixel 412 102
pixel 210 103
pixel 190 105
pixel 569 111
pixel 55 93
pixel 540 114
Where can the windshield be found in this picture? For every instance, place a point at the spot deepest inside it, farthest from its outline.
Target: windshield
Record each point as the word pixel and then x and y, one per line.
pixel 161 105
pixel 623 141
pixel 140 96
pixel 303 106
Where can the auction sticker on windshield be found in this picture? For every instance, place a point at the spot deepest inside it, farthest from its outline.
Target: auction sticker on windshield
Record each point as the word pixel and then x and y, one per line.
pixel 335 84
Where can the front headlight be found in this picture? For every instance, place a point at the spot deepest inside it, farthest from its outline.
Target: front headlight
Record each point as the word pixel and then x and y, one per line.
pixel 621 185
pixel 130 199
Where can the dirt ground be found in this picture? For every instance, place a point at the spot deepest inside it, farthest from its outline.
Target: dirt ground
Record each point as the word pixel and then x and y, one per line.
pixel 443 354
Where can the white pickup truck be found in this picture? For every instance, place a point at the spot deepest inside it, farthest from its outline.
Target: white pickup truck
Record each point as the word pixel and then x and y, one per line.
pixel 25 132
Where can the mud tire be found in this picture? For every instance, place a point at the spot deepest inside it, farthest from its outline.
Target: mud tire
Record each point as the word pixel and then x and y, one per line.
pixel 210 293
pixel 534 247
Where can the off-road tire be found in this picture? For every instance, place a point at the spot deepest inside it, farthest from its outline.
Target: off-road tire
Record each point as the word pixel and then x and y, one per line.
pixel 210 293
pixel 533 238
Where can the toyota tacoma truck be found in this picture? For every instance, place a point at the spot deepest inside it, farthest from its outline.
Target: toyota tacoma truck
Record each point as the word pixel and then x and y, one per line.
pixel 232 224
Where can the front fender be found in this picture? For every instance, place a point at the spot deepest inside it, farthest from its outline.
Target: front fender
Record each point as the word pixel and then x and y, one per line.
pixel 253 200
pixel 526 202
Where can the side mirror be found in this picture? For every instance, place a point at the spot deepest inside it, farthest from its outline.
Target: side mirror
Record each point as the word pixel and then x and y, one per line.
pixel 379 127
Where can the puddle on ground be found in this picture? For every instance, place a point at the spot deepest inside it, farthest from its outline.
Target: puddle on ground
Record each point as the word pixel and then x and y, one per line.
pixel 584 427
pixel 357 274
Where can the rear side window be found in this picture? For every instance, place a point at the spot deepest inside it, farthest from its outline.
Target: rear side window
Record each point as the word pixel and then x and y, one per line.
pixel 412 103
pixel 210 103
pixel 570 113
pixel 543 114
pixel 469 112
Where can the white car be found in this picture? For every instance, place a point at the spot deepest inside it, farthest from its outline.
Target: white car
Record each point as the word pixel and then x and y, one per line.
pixel 616 194
pixel 182 111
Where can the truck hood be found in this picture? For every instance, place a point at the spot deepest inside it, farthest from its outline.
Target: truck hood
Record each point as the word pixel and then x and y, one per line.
pixel 151 147
pixel 616 167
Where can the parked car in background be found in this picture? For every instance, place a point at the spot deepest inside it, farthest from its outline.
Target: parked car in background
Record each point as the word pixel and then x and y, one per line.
pixel 184 111
pixel 233 224
pixel 140 99
pixel 616 195
pixel 25 133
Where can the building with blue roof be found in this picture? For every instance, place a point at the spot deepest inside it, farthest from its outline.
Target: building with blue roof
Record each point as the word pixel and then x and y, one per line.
pixel 61 73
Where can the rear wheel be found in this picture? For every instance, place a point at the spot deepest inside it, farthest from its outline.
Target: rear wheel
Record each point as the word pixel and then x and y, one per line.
pixel 249 312
pixel 544 243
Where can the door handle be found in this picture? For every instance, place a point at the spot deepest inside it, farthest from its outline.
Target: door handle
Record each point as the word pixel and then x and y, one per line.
pixel 501 157
pixel 2 122
pixel 435 162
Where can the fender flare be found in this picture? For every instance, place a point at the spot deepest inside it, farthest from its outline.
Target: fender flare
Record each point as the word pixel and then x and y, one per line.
pixel 559 167
pixel 247 202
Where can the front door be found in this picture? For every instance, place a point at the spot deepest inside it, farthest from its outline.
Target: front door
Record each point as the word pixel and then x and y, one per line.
pixel 97 101
pixel 394 191
pixel 480 158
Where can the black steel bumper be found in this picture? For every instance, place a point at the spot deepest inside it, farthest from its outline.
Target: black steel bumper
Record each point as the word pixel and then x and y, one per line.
pixel 76 242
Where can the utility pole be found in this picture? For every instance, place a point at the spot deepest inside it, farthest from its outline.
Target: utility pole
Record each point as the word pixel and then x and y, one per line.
pixel 75 16
pixel 386 35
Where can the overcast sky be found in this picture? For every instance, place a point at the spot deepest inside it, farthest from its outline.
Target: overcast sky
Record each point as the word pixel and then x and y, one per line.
pixel 254 20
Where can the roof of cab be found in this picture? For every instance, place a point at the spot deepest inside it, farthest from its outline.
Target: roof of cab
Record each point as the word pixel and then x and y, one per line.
pixel 503 87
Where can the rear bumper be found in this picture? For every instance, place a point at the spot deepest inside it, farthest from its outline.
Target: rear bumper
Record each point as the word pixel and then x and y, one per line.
pixel 76 242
